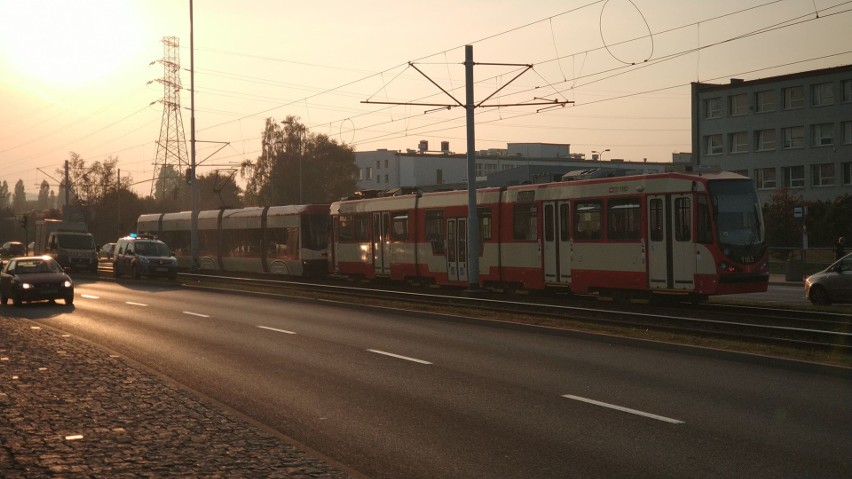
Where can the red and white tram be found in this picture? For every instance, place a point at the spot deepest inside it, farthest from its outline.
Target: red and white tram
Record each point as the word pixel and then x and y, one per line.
pixel 680 233
pixel 289 240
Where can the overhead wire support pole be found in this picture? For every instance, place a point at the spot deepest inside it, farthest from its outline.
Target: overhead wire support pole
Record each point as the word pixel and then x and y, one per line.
pixel 193 234
pixel 470 105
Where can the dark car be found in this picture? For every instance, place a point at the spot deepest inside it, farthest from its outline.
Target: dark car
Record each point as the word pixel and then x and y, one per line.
pixel 12 248
pixel 34 278
pixel 831 285
pixel 106 251
pixel 143 256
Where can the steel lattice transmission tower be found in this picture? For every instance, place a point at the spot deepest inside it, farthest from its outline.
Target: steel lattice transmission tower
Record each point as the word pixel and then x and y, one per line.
pixel 172 158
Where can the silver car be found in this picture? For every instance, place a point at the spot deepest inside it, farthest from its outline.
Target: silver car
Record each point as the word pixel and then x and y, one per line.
pixel 831 285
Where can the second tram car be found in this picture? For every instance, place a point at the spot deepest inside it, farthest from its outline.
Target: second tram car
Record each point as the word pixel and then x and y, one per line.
pixel 670 233
pixel 289 240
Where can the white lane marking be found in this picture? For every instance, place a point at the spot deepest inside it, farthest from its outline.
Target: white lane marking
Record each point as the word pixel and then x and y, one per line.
pixel 89 296
pixel 131 303
pixel 623 409
pixel 277 330
pixel 398 356
pixel 196 314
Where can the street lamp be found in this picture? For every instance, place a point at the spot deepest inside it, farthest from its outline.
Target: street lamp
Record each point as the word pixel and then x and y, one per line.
pixel 600 154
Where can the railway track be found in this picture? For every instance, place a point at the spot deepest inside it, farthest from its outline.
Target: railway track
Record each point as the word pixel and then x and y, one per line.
pixel 745 324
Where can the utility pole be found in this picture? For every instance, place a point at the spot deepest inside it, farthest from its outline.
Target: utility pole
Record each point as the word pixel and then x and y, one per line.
pixel 193 233
pixel 470 105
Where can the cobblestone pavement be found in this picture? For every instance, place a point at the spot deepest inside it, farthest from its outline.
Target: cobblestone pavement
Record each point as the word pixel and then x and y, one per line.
pixel 69 409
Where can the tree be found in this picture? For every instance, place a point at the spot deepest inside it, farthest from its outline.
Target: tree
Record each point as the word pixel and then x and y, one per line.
pixel 298 167
pixel 89 185
pixel 44 196
pixel 19 200
pixel 4 194
pixel 781 228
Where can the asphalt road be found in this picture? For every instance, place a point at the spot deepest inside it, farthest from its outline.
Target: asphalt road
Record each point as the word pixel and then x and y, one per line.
pixel 395 394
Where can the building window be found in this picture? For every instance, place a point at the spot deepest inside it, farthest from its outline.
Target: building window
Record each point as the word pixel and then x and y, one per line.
pixel 386 178
pixel 765 140
pixel 738 105
pixel 794 177
pixel 794 97
pixel 739 142
pixel 847 91
pixel 847 132
pixel 714 145
pixel 713 108
pixel 360 173
pixel 765 101
pixel 439 176
pixel 823 134
pixel 378 164
pixel 386 163
pixel 794 137
pixel 766 178
pixel 847 174
pixel 822 174
pixel 369 173
pixel 822 94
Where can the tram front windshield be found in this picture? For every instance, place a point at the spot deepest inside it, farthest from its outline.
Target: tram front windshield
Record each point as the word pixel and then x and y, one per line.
pixel 736 210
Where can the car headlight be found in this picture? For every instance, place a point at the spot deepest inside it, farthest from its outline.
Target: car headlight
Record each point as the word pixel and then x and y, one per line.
pixel 67 283
pixel 26 286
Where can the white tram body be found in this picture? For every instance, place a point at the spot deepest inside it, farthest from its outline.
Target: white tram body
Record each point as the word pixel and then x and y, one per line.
pixel 668 233
pixel 289 240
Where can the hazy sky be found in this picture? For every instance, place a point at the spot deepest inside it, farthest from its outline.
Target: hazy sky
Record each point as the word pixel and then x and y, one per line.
pixel 77 76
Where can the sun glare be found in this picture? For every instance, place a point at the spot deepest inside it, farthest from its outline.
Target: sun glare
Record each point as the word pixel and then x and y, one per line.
pixel 69 43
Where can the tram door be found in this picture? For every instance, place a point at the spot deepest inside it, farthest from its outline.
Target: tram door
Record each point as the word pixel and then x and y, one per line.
pixel 457 249
pixel 556 239
pixel 672 260
pixel 381 256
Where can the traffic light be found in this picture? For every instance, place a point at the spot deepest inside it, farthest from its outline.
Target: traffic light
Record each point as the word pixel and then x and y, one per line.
pixel 189 176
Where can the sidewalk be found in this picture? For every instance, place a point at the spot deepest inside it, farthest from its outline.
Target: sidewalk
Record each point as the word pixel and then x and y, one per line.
pixel 70 409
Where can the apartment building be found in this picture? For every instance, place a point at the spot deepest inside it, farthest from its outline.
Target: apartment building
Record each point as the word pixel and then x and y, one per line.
pixel 791 131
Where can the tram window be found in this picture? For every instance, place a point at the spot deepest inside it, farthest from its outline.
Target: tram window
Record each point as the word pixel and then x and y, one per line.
pixel 525 225
pixel 657 219
pixel 484 216
pixel 345 228
pixel 704 233
pixel 362 228
pixel 549 230
pixel 587 220
pixel 208 242
pixel 623 219
pixel 399 231
pixel 564 229
pixel 435 230
pixel 315 232
pixel 683 219
pixel 283 243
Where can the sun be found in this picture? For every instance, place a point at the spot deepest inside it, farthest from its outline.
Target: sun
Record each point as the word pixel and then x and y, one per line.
pixel 66 43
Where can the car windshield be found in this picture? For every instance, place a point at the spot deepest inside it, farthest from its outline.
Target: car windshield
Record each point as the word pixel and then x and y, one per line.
pixel 74 241
pixel 152 249
pixel 37 266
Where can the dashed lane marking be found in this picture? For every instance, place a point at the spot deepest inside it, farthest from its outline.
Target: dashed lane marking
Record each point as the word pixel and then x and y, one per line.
pixel 131 303
pixel 623 409
pixel 277 330
pixel 196 314
pixel 406 358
